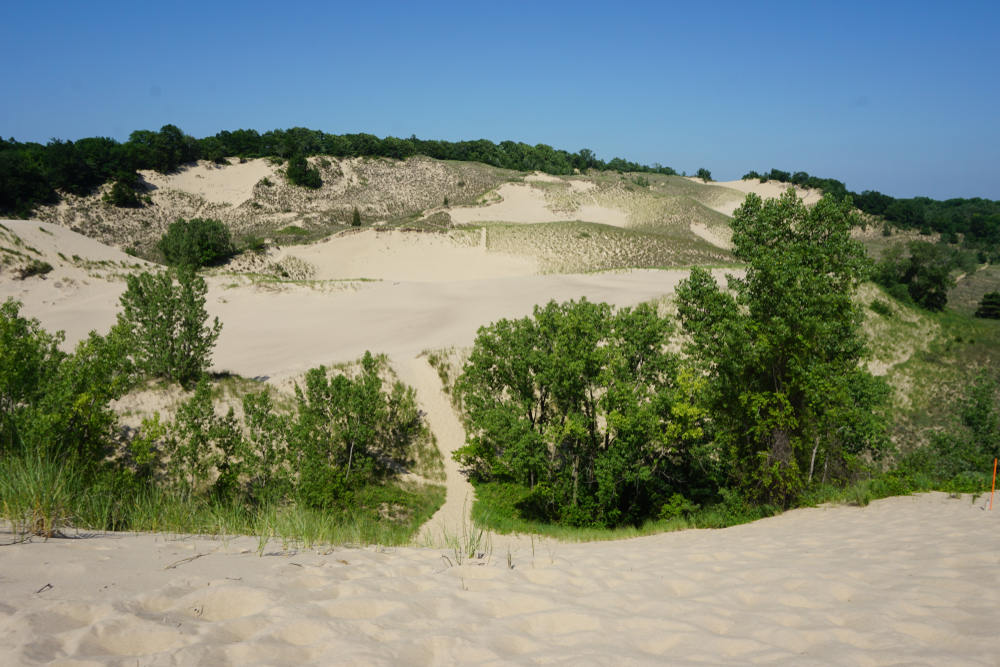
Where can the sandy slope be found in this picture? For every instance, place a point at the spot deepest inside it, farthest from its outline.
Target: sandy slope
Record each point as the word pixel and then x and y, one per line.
pixel 905 581
pixel 420 257
pixel 525 204
pixel 231 184
pixel 769 190
pixel 447 522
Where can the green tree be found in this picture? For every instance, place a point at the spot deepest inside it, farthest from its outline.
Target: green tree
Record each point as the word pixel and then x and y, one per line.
pixel 704 174
pixel 782 350
pixel 353 431
pixel 989 307
pixel 582 407
pixel 299 173
pixel 265 453
pixel 196 243
pixel 356 218
pixel 165 324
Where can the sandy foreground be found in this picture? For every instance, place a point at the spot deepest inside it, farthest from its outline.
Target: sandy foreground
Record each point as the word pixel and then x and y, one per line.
pixel 905 581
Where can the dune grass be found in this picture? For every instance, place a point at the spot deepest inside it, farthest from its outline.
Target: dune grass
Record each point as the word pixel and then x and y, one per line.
pixel 46 497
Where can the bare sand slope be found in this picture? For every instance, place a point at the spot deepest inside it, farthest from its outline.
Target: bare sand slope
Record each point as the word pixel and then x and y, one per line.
pixel 448 522
pixel 525 204
pixel 428 293
pixel 279 335
pixel 905 581
pixel 419 257
pixel 231 184
pixel 769 190
pixel 81 292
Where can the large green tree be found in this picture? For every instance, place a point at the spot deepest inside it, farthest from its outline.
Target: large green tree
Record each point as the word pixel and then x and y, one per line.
pixel 584 407
pixel 783 351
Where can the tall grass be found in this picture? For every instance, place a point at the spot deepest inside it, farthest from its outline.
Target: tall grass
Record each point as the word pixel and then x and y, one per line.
pixel 44 497
pixel 37 494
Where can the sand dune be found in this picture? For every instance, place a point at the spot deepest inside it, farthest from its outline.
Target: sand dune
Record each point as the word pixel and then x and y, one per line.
pixel 426 292
pixel 525 204
pixel 220 184
pixel 905 581
pixel 420 257
pixel 769 190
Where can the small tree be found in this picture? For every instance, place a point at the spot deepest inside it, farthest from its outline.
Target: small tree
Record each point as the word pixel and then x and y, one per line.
pixel 704 174
pixel 165 327
pixel 299 173
pixel 989 307
pixel 196 243
pixel 356 218
pixel 122 193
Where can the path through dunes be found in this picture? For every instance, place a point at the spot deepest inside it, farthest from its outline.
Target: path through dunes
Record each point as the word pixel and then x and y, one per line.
pixel 453 516
pixel 904 581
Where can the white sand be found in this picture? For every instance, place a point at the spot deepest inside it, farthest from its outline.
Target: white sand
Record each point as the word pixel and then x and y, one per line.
pixel 905 581
pixel 219 184
pixel 522 203
pixel 769 190
pixel 414 256
pixel 429 293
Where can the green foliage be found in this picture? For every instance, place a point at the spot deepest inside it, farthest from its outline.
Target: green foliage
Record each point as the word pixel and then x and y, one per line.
pixel 923 270
pixel 255 244
pixel 356 218
pixel 989 307
pixel 972 444
pixel 265 457
pixel 353 432
pixel 704 174
pixel 881 307
pixel 299 173
pixel 582 407
pixel 55 403
pixel 165 325
pixel 196 243
pixel 122 193
pixel 35 267
pixel 781 350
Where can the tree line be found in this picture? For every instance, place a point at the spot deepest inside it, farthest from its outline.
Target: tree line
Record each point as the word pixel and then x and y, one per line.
pixel 32 173
pixel 976 219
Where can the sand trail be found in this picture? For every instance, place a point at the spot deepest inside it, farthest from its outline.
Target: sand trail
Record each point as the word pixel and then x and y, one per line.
pixel 905 581
pixel 448 521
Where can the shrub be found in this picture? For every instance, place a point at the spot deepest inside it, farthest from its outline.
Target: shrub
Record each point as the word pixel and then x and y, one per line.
pixel 34 268
pixel 122 193
pixel 165 327
pixel 266 182
pixel 881 307
pixel 196 243
pixel 989 307
pixel 255 244
pixel 356 218
pixel 299 173
pixel 704 174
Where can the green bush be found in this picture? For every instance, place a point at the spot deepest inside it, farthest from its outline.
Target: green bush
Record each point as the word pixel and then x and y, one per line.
pixel 989 307
pixel 34 268
pixel 356 218
pixel 299 173
pixel 704 174
pixel 122 193
pixel 881 307
pixel 165 325
pixel 196 243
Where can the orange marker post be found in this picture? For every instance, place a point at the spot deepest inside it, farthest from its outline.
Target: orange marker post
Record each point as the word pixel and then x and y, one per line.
pixel 994 486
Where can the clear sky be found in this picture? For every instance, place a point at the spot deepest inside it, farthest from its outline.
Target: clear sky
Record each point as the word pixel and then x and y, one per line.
pixel 900 97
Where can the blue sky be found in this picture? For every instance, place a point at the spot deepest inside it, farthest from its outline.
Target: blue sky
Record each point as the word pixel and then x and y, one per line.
pixel 903 97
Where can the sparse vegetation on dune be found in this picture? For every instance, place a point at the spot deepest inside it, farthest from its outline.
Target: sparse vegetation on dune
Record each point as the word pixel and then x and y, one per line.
pixel 580 247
